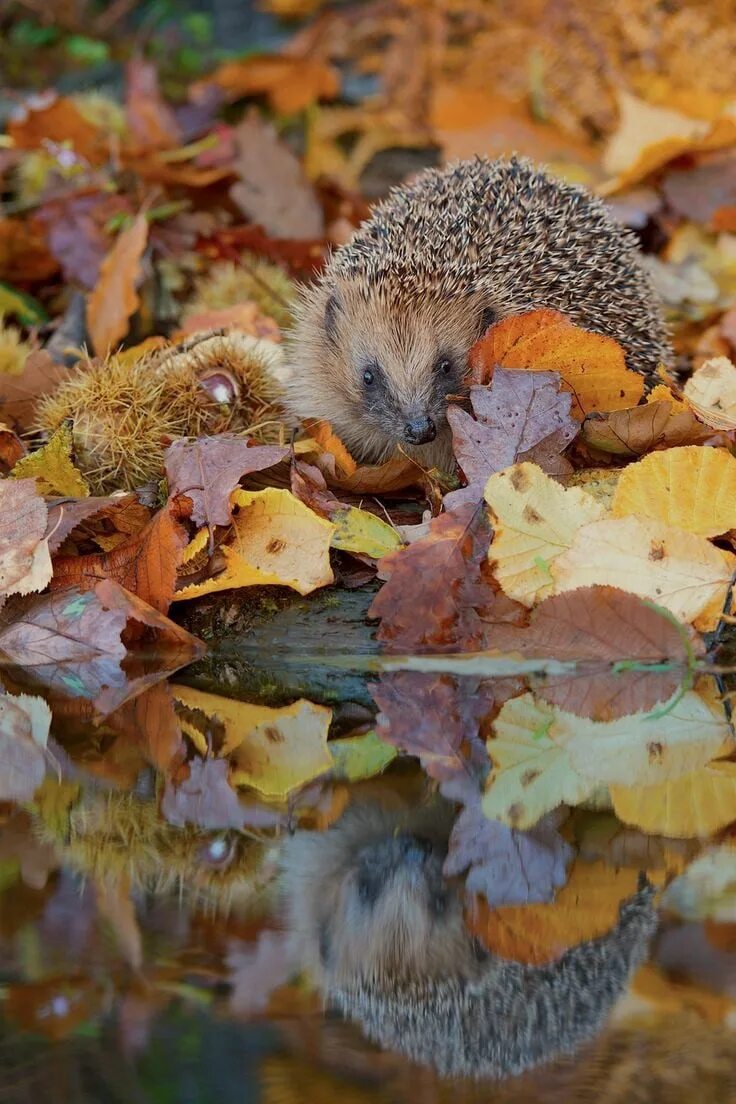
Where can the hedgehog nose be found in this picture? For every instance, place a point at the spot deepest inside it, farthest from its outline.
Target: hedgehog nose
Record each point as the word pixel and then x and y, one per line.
pixel 420 430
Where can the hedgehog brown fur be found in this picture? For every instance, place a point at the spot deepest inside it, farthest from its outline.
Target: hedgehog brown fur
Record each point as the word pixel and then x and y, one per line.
pixel 383 338
pixel 383 935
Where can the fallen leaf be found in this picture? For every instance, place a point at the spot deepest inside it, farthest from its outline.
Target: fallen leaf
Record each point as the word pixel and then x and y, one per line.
pixel 115 297
pixel 711 392
pixel 585 908
pixel 688 488
pixel 22 525
pixel 357 757
pixel 273 751
pixel 205 797
pixel 52 467
pixel 24 728
pixel 149 120
pixel 19 394
pixel 12 449
pixel 695 805
pixel 276 541
pixel 77 233
pixel 24 251
pixel 245 317
pixel 707 889
pixel 208 470
pixel 641 429
pixel 164 631
pixel 289 83
pixel 256 971
pixel 504 865
pixel 592 367
pixel 535 521
pixel 51 118
pixel 145 564
pixel 682 572
pixel 532 774
pixel 323 434
pixel 518 416
pixel 360 531
pixel 67 514
pixel 272 188
pixel 115 904
pixel 700 190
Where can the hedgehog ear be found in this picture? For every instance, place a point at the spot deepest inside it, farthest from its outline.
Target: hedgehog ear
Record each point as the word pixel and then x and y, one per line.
pixel 488 316
pixel 332 310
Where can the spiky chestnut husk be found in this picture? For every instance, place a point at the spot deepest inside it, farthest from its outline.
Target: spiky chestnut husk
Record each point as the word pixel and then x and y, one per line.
pixel 227 284
pixel 438 260
pixel 125 412
pixel 117 835
pixel 13 349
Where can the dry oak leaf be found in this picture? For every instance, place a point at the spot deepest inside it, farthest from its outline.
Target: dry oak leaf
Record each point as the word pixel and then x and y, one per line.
pixel 697 804
pixel 711 392
pixel 535 520
pixel 586 907
pixel 532 774
pixel 663 423
pixel 273 751
pixel 289 83
pixel 115 298
pixel 208 469
pixel 145 564
pixel 682 572
pixel 276 541
pixel 52 467
pixel 23 517
pixel 592 367
pixel 629 653
pixel 690 488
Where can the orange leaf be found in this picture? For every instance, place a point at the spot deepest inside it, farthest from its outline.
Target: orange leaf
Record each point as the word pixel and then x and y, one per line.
pixel 289 83
pixel 50 118
pixel 592 366
pixel 115 298
pixel 24 255
pixel 145 564
pixel 322 433
pixel 245 317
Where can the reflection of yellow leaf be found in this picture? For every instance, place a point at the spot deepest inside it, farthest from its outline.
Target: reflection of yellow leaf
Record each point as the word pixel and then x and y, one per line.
pixel 673 995
pixel 683 572
pixel 52 467
pixel 691 488
pixel 272 750
pixel 696 804
pixel 360 531
pixel 531 773
pixel 711 392
pixel 276 540
pixel 707 889
pixel 535 519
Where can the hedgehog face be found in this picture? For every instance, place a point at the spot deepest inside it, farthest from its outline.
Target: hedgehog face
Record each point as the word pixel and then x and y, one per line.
pixel 380 367
pixel 368 900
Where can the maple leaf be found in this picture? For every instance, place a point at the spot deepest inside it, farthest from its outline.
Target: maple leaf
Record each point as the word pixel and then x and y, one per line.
pixel 52 468
pixel 688 488
pixel 145 564
pixel 711 392
pixel 592 367
pixel 272 188
pixel 208 470
pixel 504 865
pixel 518 416
pixel 115 298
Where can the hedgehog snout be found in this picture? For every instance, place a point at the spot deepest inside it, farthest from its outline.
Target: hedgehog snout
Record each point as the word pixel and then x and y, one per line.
pixel 420 430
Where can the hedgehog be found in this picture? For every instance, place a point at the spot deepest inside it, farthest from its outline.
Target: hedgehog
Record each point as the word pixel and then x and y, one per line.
pixel 382 933
pixel 382 339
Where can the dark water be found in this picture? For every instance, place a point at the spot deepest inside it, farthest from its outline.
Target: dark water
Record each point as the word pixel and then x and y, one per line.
pixel 152 948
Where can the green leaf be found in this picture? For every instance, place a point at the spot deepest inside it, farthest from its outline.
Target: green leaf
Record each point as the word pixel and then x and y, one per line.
pixel 90 51
pixel 24 307
pixel 360 531
pixel 358 757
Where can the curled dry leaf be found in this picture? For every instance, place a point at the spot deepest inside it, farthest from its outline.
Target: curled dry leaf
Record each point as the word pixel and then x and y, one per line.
pixel 535 520
pixel 115 297
pixel 640 429
pixel 592 367
pixel 711 392
pixel 682 572
pixel 688 488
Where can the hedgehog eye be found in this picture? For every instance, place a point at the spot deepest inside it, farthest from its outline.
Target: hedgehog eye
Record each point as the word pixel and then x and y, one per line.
pixel 444 365
pixel 368 377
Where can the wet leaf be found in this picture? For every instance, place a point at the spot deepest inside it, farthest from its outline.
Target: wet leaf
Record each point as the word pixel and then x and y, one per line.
pixel 535 521
pixel 24 729
pixel 272 188
pixel 255 972
pixel 682 572
pixel 707 889
pixel 208 470
pixel 115 297
pixel 711 392
pixel 52 467
pixel 164 631
pixel 696 804
pixel 358 757
pixel 518 416
pixel 276 541
pixel 504 865
pixel 592 367
pixel 688 488
pixel 205 798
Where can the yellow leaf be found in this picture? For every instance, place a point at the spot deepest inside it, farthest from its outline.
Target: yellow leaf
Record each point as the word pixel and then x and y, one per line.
pixel 277 541
pixel 681 571
pixel 691 488
pixel 52 467
pixel 531 773
pixel 707 889
pixel 711 392
pixel 272 750
pixel 673 995
pixel 360 531
pixel 535 520
pixel 696 804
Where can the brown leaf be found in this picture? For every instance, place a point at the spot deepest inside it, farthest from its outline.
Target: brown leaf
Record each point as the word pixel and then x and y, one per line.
pixel 24 253
pixel 22 526
pixel 289 83
pixel 18 394
pixel 77 234
pixel 257 971
pixel 150 121
pixel 145 564
pixel 115 904
pixel 310 487
pixel 50 118
pixel 115 298
pixel 640 429
pixel 246 317
pixel 164 631
pixel 208 470
pixel 272 189
pixel 438 597
pixel 66 514
pixel 518 416
pixel 12 449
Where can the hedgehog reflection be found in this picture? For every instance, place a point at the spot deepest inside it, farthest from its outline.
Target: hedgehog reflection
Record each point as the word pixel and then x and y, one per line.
pixel 383 935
